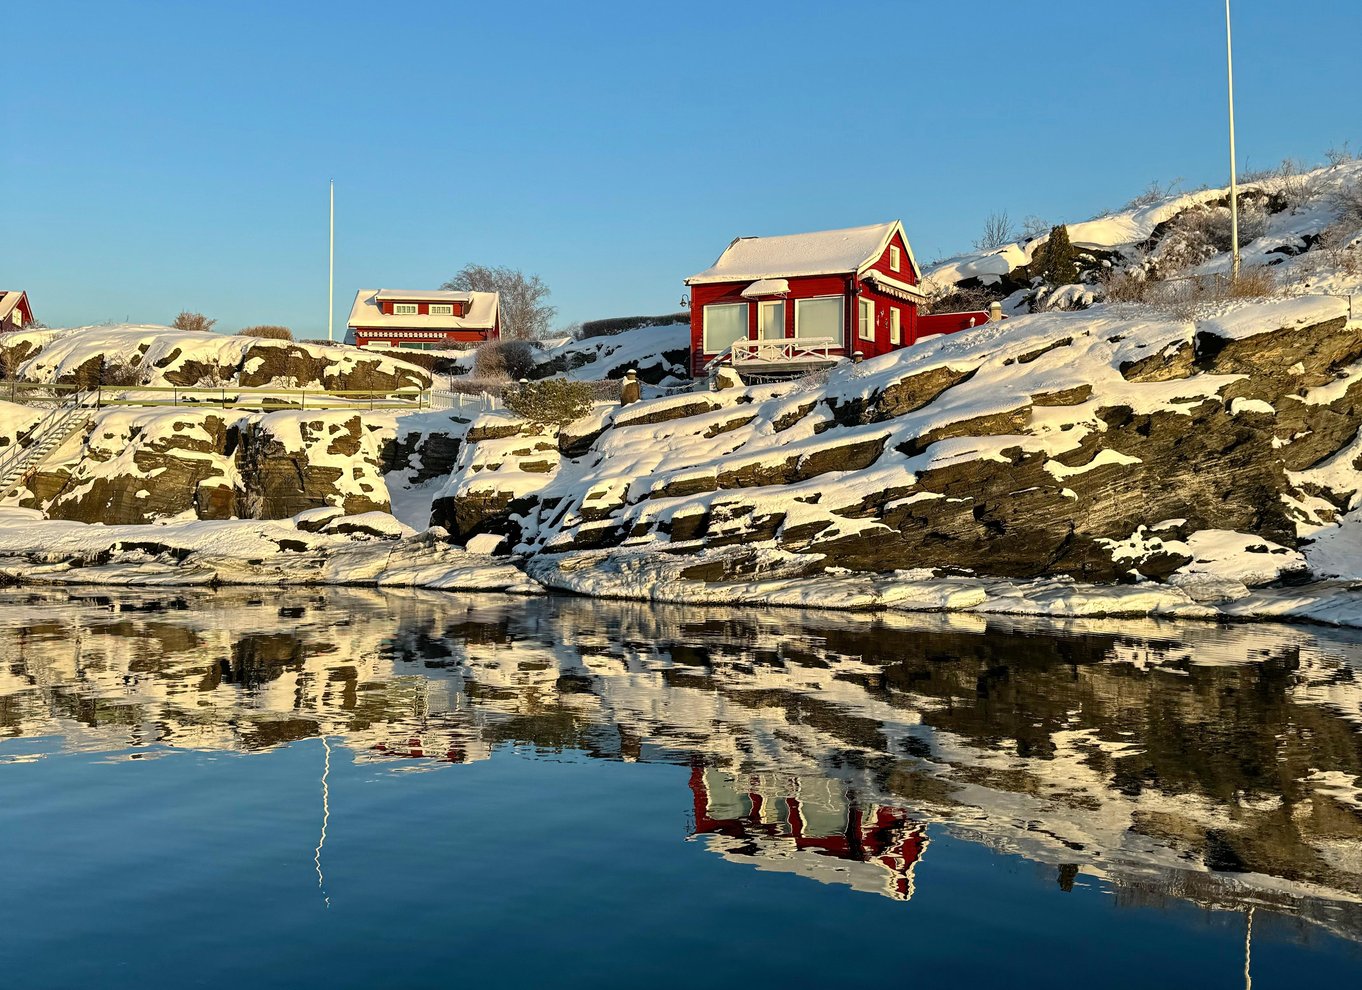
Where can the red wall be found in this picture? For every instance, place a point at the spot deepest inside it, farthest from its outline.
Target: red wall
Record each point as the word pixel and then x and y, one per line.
pixel 805 288
pixel 365 335
pixel 950 322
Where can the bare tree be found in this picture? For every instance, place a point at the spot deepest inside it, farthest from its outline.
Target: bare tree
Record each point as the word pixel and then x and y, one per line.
pixel 997 232
pixel 524 313
pixel 193 321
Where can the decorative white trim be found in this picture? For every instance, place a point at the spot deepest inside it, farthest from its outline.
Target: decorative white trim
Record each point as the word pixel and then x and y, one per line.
pixel 761 308
pixel 893 287
pixel 865 318
pixel 895 259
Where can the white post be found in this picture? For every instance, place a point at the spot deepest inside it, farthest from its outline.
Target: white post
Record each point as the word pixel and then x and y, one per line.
pixel 331 274
pixel 1234 185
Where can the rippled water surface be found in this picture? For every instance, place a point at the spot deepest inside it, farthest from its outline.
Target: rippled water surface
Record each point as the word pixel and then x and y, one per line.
pixel 358 789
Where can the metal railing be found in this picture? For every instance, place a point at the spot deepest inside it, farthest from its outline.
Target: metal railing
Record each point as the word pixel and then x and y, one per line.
pixel 44 438
pixel 254 399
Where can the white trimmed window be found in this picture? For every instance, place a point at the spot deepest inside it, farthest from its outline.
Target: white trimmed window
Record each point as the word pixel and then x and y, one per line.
pixel 865 326
pixel 771 320
pixel 441 309
pixel 895 258
pixel 820 316
pixel 724 323
pixel 895 326
pixel 405 309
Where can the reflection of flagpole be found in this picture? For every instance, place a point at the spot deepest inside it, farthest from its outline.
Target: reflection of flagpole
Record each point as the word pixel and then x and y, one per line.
pixel 1248 950
pixel 326 814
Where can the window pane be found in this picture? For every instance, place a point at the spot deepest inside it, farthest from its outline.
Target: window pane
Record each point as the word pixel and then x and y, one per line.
pixel 867 322
pixel 821 317
pixel 895 326
pixel 771 320
pixel 723 325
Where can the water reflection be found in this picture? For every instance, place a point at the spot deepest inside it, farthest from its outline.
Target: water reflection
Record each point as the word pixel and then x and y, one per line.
pixel 1176 761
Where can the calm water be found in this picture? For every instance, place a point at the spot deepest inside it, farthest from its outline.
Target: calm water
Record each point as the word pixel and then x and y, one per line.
pixel 354 789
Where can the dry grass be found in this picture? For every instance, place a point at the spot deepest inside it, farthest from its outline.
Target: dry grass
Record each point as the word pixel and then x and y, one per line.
pixel 267 331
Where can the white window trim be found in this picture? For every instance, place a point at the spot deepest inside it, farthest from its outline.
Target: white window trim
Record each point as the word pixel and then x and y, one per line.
pixel 895 325
pixel 704 314
pixel 761 311
pixel 895 258
pixel 841 316
pixel 865 328
pixel 441 309
pixel 406 309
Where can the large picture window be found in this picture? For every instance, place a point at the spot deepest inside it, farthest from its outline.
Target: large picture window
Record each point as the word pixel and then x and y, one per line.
pixel 819 317
pixel 724 323
pixel 865 328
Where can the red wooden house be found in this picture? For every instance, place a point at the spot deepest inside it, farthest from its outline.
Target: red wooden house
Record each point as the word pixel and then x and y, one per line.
pixel 15 311
pixel 425 319
pixel 778 305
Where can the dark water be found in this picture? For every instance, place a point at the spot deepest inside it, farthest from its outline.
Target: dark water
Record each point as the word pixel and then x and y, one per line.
pixel 354 789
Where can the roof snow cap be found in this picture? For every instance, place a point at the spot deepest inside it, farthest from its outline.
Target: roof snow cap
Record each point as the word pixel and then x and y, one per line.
pixel 825 252
pixel 481 315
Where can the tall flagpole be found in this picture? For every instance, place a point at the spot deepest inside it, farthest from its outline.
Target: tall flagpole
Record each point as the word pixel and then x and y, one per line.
pixel 1234 185
pixel 331 275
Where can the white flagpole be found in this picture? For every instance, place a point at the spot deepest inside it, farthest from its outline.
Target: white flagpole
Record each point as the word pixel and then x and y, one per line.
pixel 331 276
pixel 1234 185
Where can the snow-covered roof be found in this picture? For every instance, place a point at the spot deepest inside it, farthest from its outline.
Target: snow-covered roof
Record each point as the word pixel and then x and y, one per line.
pixel 823 252
pixel 481 315
pixel 423 295
pixel 767 287
pixel 8 300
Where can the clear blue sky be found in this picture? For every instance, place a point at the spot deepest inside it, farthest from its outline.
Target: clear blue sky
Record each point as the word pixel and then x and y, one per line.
pixel 162 156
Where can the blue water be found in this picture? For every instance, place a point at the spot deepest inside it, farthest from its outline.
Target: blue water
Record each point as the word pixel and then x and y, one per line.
pixel 533 862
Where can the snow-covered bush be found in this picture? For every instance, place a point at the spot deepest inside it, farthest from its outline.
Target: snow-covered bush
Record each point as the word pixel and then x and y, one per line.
pixel 120 372
pixel 504 359
pixel 551 401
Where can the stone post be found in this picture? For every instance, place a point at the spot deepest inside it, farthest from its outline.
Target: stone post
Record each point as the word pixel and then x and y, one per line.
pixel 630 390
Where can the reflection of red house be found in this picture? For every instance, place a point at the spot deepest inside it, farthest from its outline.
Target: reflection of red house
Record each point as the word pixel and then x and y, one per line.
pixel 424 319
pixel 768 822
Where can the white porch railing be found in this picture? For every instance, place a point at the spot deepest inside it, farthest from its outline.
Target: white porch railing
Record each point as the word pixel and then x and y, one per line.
pixel 780 350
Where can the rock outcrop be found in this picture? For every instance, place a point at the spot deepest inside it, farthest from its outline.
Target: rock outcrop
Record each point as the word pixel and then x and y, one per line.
pixel 1107 446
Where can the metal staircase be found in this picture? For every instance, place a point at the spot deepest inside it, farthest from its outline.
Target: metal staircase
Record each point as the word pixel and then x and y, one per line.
pixel 47 435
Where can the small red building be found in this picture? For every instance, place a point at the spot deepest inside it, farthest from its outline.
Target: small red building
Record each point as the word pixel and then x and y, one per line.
pixel 424 319
pixel 15 312
pixel 778 305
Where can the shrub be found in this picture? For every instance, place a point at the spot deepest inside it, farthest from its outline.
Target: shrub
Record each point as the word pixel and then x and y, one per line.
pixel 268 331
pixel 551 401
pixel 504 359
pixel 1153 193
pixel 119 372
pixel 193 321
pixel 1296 187
pixel 472 385
pixel 1056 261
pixel 1120 285
pixel 1347 200
pixel 619 324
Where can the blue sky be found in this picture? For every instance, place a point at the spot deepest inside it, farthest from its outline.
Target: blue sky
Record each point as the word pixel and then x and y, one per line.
pixel 175 155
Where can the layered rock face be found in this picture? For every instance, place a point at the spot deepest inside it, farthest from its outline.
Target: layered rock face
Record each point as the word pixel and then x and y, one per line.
pixel 136 466
pixel 1106 445
pixel 160 356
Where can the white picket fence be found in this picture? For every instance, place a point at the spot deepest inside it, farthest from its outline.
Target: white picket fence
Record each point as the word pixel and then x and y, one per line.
pixel 460 401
